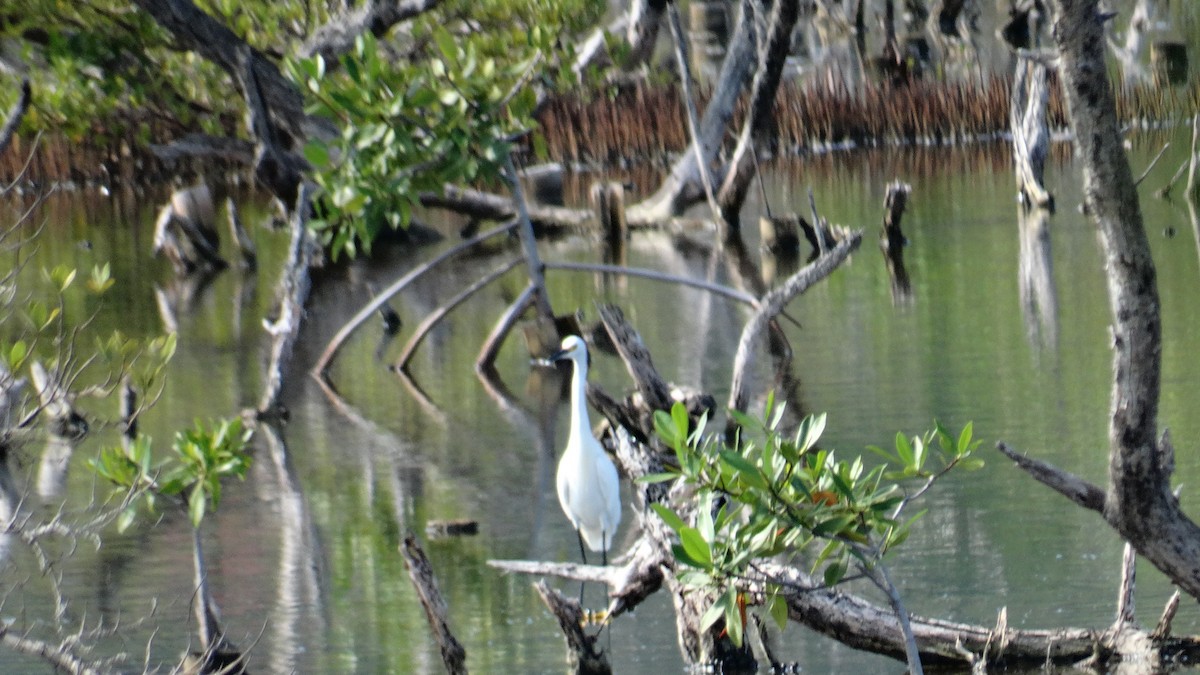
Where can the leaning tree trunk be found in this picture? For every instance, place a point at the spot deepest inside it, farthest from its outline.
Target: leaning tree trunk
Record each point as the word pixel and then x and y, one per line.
pixel 1138 502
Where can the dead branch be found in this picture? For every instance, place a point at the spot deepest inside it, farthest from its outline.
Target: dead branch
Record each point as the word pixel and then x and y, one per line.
pixel 378 17
pixel 239 235
pixel 1030 134
pixel 718 289
pixel 891 240
pixel 743 165
pixel 533 261
pixel 491 346
pixel 421 573
pixel 438 314
pixel 1125 597
pixel 1068 485
pixel 773 303
pixel 60 656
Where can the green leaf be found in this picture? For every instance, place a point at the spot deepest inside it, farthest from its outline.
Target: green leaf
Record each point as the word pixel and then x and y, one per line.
pixel 964 440
pixel 446 44
pixel 971 463
pixel 696 547
pixel 652 478
pixel 904 450
pixel 317 154
pixel 127 517
pixel 669 517
pixel 197 502
pixel 836 570
pixel 733 618
pixel 716 611
pixel 778 608
pixel 748 472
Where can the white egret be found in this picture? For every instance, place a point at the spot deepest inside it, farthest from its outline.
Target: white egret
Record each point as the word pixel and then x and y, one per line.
pixel 587 480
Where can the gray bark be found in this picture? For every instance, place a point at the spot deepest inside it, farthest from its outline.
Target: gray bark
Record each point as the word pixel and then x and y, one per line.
pixel 377 17
pixel 1138 501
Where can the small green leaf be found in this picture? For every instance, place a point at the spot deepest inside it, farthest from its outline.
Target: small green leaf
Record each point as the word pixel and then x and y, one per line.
pixel 716 611
pixel 652 478
pixel 971 463
pixel 836 570
pixel 964 440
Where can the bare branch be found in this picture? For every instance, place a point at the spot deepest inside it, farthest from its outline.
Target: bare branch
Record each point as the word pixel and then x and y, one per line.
pixel 1068 485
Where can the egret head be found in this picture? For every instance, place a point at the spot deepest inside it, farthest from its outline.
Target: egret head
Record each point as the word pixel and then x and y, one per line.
pixel 574 348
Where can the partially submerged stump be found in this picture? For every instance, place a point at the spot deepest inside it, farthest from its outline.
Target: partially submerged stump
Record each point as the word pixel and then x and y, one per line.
pixel 892 240
pixel 185 232
pixel 1030 133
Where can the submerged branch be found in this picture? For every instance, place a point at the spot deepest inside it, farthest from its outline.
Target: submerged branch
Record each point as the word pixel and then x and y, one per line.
pixel 335 343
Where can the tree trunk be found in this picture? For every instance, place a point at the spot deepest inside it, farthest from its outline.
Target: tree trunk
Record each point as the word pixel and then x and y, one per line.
pixel 1138 502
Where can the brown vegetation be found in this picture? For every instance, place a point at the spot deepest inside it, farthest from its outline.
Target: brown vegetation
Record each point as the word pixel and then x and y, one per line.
pixel 645 123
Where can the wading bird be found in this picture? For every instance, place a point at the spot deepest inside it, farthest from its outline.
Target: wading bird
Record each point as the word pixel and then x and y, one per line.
pixel 587 480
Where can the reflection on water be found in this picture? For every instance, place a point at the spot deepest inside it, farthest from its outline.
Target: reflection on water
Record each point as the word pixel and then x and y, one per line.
pixel 303 557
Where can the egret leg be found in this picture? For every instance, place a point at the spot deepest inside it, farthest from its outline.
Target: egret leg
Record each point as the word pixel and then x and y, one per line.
pixel 583 554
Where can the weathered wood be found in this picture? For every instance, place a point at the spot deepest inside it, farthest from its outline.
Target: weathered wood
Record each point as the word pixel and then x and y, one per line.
pixel 335 343
pixel 1125 591
pixel 1030 132
pixel 772 304
pixel 185 232
pixel 485 362
pixel 378 17
pixel 654 390
pixel 892 241
pixel 1139 502
pixel 608 203
pixel 682 186
pixel 758 123
pixel 420 571
pixel 433 318
pixel 57 406
pixel 586 657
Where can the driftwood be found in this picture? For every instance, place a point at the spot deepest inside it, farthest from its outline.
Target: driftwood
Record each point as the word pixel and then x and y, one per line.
pixel 1139 502
pixel 742 166
pixel 421 573
pixel 772 304
pixel 640 24
pixel 1030 133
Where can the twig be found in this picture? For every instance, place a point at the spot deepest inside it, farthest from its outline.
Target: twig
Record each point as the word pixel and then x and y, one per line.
pixel 1152 164
pixel 491 346
pixel 726 291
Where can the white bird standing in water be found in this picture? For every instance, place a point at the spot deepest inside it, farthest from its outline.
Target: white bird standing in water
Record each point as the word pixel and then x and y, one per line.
pixel 588 490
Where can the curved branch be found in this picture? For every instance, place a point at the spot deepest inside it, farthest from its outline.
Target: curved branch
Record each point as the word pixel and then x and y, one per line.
pixel 436 316
pixel 774 302
pixel 335 343
pixel 1072 487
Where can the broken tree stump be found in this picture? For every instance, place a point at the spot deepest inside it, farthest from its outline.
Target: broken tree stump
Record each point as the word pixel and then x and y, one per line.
pixel 892 241
pixel 586 657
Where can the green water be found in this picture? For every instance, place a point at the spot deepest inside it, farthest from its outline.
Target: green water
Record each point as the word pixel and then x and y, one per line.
pixel 303 554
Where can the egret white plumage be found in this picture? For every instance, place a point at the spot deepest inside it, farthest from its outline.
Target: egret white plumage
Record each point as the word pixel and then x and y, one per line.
pixel 588 489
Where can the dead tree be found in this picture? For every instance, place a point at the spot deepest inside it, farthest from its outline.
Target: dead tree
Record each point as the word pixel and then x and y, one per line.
pixel 1030 133
pixel 1138 501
